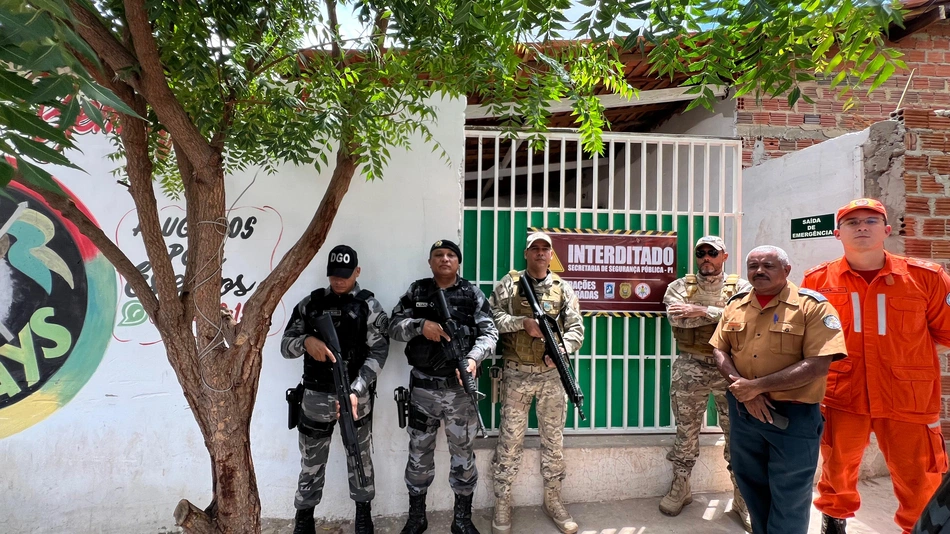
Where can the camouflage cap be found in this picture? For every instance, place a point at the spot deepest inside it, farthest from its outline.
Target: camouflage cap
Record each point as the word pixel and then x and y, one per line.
pixel 861 204
pixel 714 241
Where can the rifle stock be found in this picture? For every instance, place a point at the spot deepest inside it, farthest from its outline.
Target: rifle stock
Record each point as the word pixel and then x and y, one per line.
pixel 553 345
pixel 341 383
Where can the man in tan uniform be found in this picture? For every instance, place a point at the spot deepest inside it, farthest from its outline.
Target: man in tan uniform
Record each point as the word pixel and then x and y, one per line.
pixel 530 374
pixel 694 304
pixel 774 345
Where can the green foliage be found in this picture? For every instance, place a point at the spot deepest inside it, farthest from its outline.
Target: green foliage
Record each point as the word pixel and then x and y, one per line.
pixel 41 70
pixel 762 47
pixel 243 72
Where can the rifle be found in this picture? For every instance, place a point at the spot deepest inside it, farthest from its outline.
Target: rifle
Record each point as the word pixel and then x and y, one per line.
pixel 455 352
pixel 341 384
pixel 553 345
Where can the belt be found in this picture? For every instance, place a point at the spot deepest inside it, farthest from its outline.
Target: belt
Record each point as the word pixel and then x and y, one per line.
pixel 527 368
pixel 711 360
pixel 433 383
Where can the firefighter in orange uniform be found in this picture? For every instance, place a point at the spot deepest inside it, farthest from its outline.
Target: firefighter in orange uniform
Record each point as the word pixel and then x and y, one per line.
pixel 894 310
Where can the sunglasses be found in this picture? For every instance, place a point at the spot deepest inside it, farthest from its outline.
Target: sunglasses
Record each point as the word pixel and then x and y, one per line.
pixel 702 253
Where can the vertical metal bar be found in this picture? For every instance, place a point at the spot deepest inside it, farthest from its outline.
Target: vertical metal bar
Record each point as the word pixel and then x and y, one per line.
pixel 691 198
pixel 563 175
pixel 737 202
pixel 495 188
pixel 610 186
pixel 643 181
pixel 675 185
pixel 706 190
pixel 643 369
pixel 626 320
pixel 478 210
pixel 547 169
pixel 659 183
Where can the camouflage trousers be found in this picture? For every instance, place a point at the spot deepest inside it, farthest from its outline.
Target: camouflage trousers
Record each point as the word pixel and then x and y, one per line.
pixel 692 382
pixel 428 409
pixel 520 388
pixel 321 407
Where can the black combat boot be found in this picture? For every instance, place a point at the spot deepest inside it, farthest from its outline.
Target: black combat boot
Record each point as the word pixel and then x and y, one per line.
pixel 364 518
pixel 462 522
pixel 417 523
pixel 303 522
pixel 832 525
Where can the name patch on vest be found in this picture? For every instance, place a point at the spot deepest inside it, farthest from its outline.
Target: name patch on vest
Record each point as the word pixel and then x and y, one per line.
pixel 334 313
pixel 422 305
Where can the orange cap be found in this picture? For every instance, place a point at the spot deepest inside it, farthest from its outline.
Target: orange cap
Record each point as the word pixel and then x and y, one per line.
pixel 861 204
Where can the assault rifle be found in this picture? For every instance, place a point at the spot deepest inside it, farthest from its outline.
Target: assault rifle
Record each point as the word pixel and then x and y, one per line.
pixel 455 352
pixel 553 345
pixel 341 384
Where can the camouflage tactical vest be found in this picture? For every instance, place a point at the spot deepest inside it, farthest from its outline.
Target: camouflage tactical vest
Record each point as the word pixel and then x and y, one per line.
pixel 696 340
pixel 519 346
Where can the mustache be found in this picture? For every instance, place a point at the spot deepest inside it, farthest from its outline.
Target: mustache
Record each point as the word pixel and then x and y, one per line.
pixel 761 277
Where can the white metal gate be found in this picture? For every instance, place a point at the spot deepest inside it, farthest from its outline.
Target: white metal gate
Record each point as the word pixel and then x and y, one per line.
pixel 689 185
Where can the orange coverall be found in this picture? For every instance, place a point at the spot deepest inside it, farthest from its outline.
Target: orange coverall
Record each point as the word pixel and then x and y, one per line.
pixel 889 383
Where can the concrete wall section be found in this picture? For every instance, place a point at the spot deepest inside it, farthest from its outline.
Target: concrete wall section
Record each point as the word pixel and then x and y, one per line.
pixel 814 181
pixel 119 455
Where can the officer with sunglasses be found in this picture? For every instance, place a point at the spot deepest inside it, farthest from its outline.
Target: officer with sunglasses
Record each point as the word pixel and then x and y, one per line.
pixel 694 304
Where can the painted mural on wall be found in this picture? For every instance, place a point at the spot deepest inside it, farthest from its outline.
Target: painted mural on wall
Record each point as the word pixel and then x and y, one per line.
pixel 58 298
pixel 251 236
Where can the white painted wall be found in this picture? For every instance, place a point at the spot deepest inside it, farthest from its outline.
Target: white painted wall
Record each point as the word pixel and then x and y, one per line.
pixel 120 455
pixel 814 181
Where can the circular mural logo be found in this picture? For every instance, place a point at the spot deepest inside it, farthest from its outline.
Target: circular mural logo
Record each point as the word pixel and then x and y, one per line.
pixel 57 307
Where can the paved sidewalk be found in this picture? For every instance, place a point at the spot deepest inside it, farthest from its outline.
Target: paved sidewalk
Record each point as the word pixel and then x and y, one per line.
pixel 708 514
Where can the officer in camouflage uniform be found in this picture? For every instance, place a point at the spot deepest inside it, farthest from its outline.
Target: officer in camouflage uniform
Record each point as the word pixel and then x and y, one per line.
pixel 694 304
pixel 363 330
pixel 528 374
pixel 436 393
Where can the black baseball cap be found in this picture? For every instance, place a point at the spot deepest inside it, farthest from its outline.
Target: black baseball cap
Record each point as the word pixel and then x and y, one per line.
pixel 342 261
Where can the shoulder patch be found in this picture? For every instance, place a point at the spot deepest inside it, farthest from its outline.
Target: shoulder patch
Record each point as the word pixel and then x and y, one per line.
pixel 832 322
pixel 813 294
pixel 732 279
pixel 924 264
pixel 382 322
pixel 737 296
pixel 690 278
pixel 948 299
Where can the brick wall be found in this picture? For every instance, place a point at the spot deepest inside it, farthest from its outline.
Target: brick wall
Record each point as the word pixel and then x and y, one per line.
pixel 926 226
pixel 770 129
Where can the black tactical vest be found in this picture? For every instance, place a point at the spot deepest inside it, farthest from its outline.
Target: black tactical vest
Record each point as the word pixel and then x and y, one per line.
pixel 350 314
pixel 427 355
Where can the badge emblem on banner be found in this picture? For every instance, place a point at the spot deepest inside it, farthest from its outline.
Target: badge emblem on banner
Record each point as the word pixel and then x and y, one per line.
pixel 625 291
pixel 609 290
pixel 643 290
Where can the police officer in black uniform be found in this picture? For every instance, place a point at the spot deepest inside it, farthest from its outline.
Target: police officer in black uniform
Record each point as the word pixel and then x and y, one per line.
pixel 436 392
pixel 362 328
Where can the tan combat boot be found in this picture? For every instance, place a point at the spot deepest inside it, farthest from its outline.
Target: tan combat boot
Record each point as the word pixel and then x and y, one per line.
pixel 679 495
pixel 555 508
pixel 739 507
pixel 501 521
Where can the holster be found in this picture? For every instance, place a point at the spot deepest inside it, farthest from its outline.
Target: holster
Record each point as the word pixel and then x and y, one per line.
pixel 495 373
pixel 294 397
pixel 401 396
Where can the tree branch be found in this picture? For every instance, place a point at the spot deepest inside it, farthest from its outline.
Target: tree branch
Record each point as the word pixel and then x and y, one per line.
pixel 138 167
pixel 262 303
pixel 335 33
pixel 73 214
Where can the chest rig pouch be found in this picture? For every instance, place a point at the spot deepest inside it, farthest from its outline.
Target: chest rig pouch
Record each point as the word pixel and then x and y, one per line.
pixel 427 355
pixel 350 314
pixel 696 340
pixel 519 346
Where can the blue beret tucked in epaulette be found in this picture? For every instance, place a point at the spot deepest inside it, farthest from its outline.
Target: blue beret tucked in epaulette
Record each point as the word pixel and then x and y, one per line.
pixel 813 294
pixel 737 296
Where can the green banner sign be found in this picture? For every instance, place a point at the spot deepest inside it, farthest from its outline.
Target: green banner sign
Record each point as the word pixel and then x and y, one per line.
pixel 815 226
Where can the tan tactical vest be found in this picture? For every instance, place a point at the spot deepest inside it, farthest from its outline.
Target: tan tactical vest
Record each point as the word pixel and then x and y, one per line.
pixel 696 340
pixel 519 346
